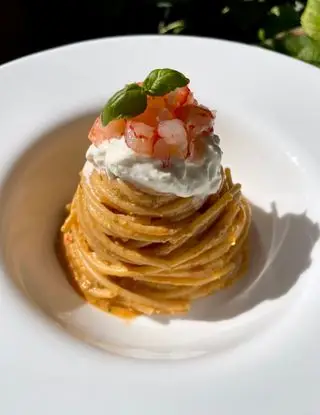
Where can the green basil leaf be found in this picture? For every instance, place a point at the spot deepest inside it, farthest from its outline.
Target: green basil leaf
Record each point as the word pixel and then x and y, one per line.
pixel 161 81
pixel 126 103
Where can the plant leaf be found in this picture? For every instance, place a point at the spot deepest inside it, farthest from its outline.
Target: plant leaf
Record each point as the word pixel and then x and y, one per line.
pixel 281 19
pixel 126 103
pixel 301 47
pixel 175 27
pixel 310 19
pixel 292 44
pixel 310 53
pixel 161 81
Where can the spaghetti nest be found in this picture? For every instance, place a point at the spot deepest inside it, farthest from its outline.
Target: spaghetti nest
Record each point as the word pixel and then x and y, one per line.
pixel 130 251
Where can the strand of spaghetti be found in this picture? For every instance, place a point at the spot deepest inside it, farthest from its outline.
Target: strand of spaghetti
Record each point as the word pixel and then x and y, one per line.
pixel 187 292
pixel 238 244
pixel 229 280
pixel 205 277
pixel 128 255
pixel 174 277
pixel 216 235
pixel 184 290
pixel 69 222
pixel 192 293
pixel 228 177
pixel 71 218
pixel 133 244
pixel 199 224
pixel 223 221
pixel 132 275
pixel 217 252
pixel 138 272
pixel 116 290
pixel 140 198
pixel 92 234
pixel 120 225
pixel 217 285
pixel 102 187
pixel 159 257
pixel 187 257
pixel 125 257
pixel 208 217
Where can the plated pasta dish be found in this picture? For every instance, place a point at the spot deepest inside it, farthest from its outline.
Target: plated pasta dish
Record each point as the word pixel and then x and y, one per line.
pixel 156 220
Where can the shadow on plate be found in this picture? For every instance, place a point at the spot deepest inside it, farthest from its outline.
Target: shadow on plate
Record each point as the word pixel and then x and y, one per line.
pixel 280 252
pixel 32 208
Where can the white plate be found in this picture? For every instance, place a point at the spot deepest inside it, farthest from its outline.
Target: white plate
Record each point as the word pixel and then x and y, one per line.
pixel 252 349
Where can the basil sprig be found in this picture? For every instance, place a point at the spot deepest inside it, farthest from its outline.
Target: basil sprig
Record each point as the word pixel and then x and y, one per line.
pixel 132 99
pixel 126 103
pixel 161 81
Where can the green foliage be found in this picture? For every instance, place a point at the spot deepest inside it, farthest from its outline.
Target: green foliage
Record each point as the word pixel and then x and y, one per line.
pixel 274 24
pixel 311 19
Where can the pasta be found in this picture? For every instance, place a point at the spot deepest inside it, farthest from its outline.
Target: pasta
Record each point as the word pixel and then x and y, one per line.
pixel 130 251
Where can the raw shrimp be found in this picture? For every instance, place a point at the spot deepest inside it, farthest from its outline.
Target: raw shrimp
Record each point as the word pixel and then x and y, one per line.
pixel 179 97
pixel 161 151
pixel 156 111
pixel 140 137
pixel 173 132
pixel 197 119
pixel 99 133
pixel 172 140
pixel 172 126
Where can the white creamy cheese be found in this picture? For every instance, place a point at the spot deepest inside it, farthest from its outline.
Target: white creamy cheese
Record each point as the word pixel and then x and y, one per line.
pixel 183 178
